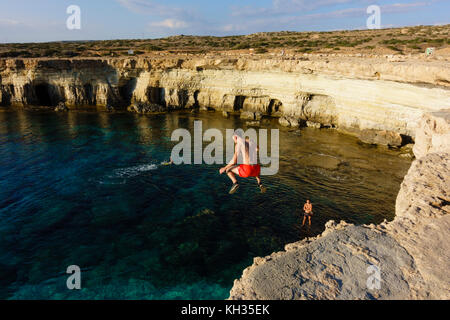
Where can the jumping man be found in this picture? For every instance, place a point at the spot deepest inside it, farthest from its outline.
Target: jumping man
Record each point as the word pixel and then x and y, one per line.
pixel 248 169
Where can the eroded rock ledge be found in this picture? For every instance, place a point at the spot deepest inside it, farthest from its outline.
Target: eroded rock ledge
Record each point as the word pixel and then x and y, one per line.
pixel 412 252
pixel 379 100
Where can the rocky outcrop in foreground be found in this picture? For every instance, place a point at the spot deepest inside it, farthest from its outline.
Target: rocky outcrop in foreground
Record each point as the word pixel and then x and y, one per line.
pixel 412 252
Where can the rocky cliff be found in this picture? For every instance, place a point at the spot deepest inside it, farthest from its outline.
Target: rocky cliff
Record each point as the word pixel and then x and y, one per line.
pixel 412 252
pixel 381 100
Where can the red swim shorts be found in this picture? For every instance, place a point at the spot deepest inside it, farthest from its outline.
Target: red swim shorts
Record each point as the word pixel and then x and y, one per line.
pixel 247 170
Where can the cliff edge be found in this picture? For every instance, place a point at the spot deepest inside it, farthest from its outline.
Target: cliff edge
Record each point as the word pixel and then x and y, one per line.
pixel 378 99
pixel 411 253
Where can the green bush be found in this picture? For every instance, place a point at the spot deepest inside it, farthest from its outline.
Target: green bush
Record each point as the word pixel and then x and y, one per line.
pixel 154 48
pixel 395 48
pixel 50 52
pixel 304 50
pixel 242 45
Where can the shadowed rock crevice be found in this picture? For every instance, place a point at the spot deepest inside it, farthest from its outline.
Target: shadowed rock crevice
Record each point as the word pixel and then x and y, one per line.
pixel 6 93
pixel 44 94
pixel 183 98
pixel 89 95
pixel 238 103
pixel 126 89
pixel 196 105
pixel 155 95
pixel 275 106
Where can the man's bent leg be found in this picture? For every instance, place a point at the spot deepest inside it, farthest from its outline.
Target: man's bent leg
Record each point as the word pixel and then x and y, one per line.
pixel 232 177
pixel 260 185
pixel 231 172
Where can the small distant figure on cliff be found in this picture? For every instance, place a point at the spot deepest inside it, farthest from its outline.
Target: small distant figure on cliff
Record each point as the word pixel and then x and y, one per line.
pixel 249 168
pixel 307 212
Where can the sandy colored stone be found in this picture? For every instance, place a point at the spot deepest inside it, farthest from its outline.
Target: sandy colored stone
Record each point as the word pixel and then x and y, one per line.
pixel 433 134
pixel 412 252
pixel 343 92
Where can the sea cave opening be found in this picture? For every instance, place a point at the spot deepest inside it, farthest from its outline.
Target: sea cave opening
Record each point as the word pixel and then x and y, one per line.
pixel 89 94
pixel 274 106
pixel 238 103
pixel 126 91
pixel 43 95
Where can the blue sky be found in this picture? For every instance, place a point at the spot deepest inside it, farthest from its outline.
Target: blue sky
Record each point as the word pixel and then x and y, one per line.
pixel 45 20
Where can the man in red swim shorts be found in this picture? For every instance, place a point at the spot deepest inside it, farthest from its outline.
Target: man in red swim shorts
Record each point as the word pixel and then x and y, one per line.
pixel 246 169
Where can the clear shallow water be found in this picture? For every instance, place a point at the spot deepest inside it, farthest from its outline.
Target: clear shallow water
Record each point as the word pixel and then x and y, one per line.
pixel 88 189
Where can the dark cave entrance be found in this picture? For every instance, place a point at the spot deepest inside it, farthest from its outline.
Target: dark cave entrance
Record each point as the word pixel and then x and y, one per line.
pixel 7 93
pixel 274 106
pixel 126 91
pixel 43 95
pixel 183 97
pixel 89 94
pixel 238 103
pixel 156 95
pixel 196 104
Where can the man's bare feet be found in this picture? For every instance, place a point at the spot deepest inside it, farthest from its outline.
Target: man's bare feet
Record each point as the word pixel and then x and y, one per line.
pixel 262 188
pixel 234 188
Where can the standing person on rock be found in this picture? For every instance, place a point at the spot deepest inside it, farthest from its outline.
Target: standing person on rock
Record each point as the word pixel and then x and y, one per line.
pixel 250 167
pixel 308 212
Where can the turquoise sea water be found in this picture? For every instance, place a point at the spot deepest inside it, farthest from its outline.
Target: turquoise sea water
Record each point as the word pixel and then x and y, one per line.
pixel 87 189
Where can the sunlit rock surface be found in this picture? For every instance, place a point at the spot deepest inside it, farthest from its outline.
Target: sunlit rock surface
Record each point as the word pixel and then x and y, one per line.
pixel 412 252
pixel 351 94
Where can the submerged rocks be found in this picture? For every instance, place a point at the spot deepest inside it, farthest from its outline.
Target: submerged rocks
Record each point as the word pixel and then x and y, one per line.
pixel 284 122
pixel 312 124
pixel 247 115
pixel 289 122
pixel 146 108
pixel 407 151
pixel 381 137
pixel 61 107
pixel 255 123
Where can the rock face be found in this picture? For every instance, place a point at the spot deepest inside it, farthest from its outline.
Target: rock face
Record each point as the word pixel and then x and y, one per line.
pixel 333 266
pixel 144 108
pixel 383 137
pixel 422 222
pixel 433 134
pixel 412 252
pixel 61 107
pixel 289 122
pixel 331 92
